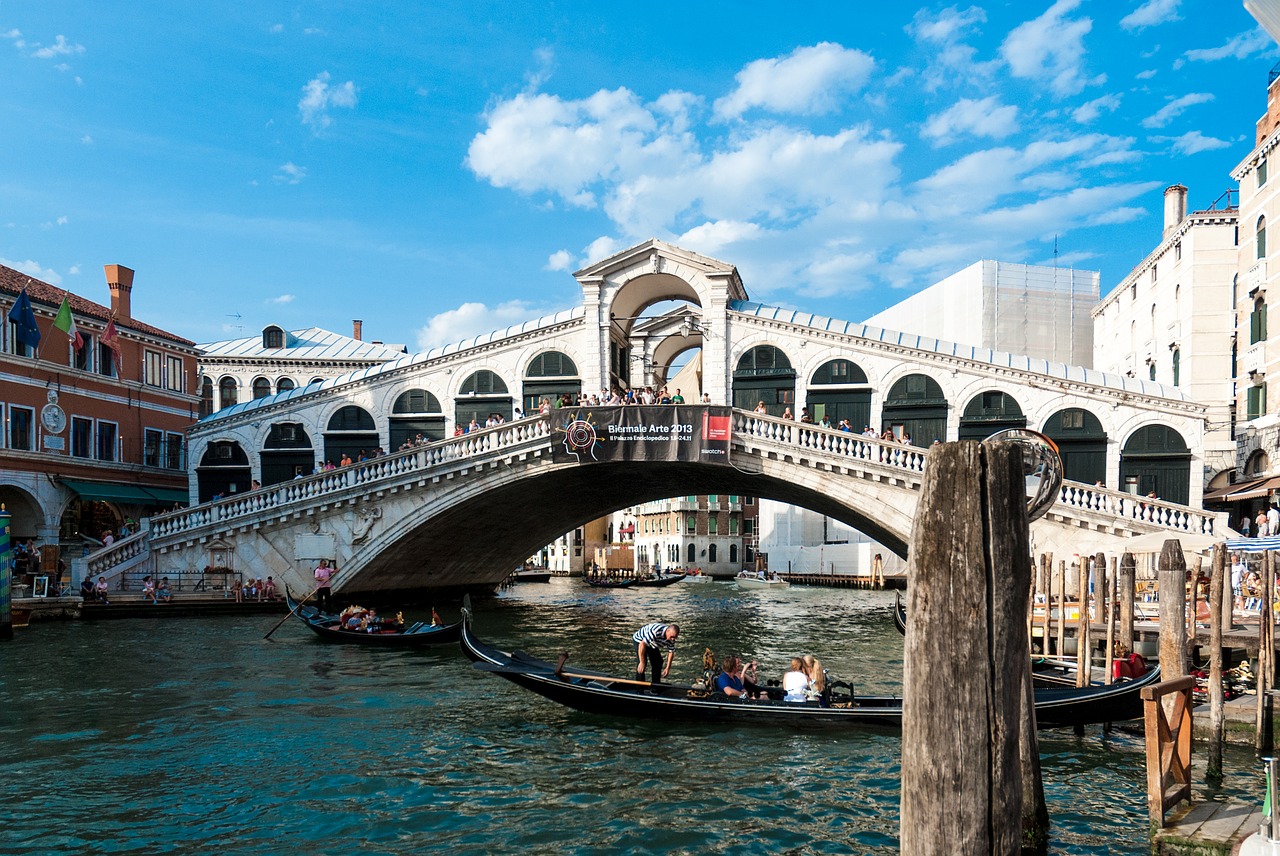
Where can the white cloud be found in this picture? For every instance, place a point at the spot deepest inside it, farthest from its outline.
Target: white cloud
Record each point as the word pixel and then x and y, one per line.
pixel 318 97
pixel 60 47
pixel 1146 75
pixel 1091 110
pixel 279 301
pixel 808 81
pixel 950 58
pixel 1174 109
pixel 86 140
pixel 712 237
pixel 473 319
pixel 1050 48
pixel 62 221
pixel 1237 47
pixel 290 173
pixel 559 260
pixel 1192 143
pixel 74 270
pixel 276 28
pixel 33 268
pixel 544 66
pixel 985 118
pixel 1151 13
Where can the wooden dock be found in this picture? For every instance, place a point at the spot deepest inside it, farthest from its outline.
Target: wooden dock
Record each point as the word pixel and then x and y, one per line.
pixel 1207 828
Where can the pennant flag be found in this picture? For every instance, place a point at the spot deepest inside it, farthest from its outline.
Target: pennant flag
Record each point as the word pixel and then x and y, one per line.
pixel 111 339
pixel 67 324
pixel 24 320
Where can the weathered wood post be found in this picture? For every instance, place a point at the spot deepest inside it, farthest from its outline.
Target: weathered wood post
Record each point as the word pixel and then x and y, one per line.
pixel 1046 570
pixel 1217 713
pixel 962 728
pixel 1128 576
pixel 1083 659
pixel 1062 609
pixel 1101 591
pixel 1112 616
pixel 1172 574
pixel 1266 654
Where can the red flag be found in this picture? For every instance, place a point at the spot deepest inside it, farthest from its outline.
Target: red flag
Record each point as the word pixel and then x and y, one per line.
pixel 111 339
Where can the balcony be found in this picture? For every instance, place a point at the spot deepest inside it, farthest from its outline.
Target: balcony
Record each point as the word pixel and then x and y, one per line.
pixel 1254 358
pixel 1257 277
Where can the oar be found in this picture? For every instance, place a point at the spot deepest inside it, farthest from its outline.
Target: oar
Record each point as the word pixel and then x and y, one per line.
pixel 289 614
pixel 502 668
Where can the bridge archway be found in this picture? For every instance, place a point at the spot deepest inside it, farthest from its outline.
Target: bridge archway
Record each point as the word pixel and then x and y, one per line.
pixel 550 374
pixel 223 470
pixel 989 412
pixel 839 390
pixel 764 374
pixel 286 453
pixel 415 411
pixel 916 407
pixel 350 431
pixel 1156 460
pixel 481 395
pixel 1082 443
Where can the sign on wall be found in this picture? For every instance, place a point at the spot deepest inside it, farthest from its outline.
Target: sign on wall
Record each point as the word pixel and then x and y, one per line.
pixel 675 432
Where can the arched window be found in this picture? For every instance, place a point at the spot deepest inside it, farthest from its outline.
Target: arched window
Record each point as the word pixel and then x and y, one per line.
pixel 228 392
pixel 989 412
pixel 272 337
pixel 917 408
pixel 482 395
pixel 483 382
pixel 1258 321
pixel 206 397
pixel 711 554
pixel 733 554
pixel 1156 460
pixel 839 391
pixel 1177 366
pixel 1260 234
pixel 351 431
pixel 693 554
pixel 261 387
pixel 550 375
pixel 416 414
pixel 1151 369
pixel 764 374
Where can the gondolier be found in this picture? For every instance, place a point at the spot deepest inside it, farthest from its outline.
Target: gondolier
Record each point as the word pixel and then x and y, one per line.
pixel 323 574
pixel 651 640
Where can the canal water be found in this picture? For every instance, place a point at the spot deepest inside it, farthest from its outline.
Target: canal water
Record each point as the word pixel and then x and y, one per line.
pixel 195 735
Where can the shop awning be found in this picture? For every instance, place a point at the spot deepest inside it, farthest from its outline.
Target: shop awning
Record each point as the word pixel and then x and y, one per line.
pixel 1251 489
pixel 126 493
pixel 168 495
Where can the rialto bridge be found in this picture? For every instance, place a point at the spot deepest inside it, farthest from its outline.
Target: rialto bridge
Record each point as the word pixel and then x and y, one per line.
pixel 464 510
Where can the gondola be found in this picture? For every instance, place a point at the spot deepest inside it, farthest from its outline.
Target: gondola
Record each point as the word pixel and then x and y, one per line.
pixel 658 582
pixel 1045 672
pixel 326 626
pixel 609 582
pixel 598 693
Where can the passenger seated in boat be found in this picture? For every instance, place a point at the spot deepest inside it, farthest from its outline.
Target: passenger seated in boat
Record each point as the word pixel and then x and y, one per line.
pixel 817 677
pixel 352 618
pixel 795 682
pixel 734 681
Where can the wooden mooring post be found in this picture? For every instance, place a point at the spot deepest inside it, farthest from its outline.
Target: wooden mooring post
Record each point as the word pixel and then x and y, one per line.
pixel 1128 576
pixel 966 731
pixel 1265 670
pixel 1168 738
pixel 1217 711
pixel 1172 575
pixel 1112 613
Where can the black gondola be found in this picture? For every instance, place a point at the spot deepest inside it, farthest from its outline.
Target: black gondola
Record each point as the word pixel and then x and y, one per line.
pixel 327 627
pixel 609 582
pixel 595 692
pixel 658 582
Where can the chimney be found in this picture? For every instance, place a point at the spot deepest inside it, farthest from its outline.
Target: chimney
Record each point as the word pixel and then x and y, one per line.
pixel 120 284
pixel 1175 207
pixel 357 328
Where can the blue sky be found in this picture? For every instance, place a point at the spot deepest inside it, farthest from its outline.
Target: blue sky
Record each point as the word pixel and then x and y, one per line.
pixel 439 169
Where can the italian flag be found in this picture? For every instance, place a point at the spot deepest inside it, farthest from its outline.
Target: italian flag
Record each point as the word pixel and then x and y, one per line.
pixel 67 324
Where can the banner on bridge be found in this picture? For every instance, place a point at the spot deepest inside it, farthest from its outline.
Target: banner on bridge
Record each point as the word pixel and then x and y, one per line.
pixel 660 432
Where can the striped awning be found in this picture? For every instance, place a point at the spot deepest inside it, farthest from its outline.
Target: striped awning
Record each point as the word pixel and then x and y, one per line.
pixel 1254 545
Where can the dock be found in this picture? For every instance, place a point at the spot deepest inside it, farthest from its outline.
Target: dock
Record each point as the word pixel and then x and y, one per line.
pixel 1207 829
pixel 183 605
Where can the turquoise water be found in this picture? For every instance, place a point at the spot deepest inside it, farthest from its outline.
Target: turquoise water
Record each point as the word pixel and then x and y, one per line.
pixel 196 735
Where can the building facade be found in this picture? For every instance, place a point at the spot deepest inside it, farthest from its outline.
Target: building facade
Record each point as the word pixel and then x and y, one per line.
pixel 1172 319
pixel 1034 310
pixel 94 434
pixel 703 532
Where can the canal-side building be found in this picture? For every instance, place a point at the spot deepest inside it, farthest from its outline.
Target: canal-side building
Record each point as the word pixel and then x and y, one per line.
pixel 278 360
pixel 703 532
pixel 800 541
pixel 94 413
pixel 1172 320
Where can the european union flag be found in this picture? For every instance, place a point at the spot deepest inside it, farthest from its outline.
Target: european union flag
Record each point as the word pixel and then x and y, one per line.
pixel 24 320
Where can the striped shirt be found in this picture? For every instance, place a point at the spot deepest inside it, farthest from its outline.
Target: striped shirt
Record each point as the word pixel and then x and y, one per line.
pixel 654 635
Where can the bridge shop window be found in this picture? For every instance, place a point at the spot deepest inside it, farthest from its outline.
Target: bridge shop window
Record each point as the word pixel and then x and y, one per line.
pixel 989 412
pixel 286 453
pixel 1156 460
pixel 223 471
pixel 351 432
pixel 917 404
pixel 415 412
pixel 482 394
pixel 839 390
pixel 765 374
pixel 1082 442
pixel 550 375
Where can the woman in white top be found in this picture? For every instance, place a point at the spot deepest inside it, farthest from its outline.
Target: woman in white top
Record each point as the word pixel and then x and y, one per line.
pixel 794 681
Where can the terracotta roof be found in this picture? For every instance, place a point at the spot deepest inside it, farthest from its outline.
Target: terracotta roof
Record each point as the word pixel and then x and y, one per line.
pixel 49 298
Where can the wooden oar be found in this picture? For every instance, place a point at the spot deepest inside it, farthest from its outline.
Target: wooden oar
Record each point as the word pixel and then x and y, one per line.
pixel 289 614
pixel 502 668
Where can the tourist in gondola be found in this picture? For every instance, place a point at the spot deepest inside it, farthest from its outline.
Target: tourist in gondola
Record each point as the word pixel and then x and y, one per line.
pixel 734 681
pixel 795 681
pixel 817 676
pixel 651 640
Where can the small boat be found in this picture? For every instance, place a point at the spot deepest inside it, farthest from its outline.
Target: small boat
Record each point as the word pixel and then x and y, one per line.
pixel 328 627
pixel 599 693
pixel 658 581
pixel 749 580
pixel 530 577
pixel 699 578
pixel 609 582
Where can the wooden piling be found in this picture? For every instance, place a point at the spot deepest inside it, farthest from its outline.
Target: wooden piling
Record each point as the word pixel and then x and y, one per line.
pixel 1083 659
pixel 1112 616
pixel 1217 712
pixel 1172 575
pixel 1046 570
pixel 1062 609
pixel 1128 576
pixel 1265 671
pixel 962 775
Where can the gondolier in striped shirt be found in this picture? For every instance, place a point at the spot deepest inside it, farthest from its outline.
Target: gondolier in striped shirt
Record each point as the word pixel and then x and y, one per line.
pixel 651 640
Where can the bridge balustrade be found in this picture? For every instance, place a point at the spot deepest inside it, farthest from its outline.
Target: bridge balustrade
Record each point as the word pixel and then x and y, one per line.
pixel 830 440
pixel 1126 506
